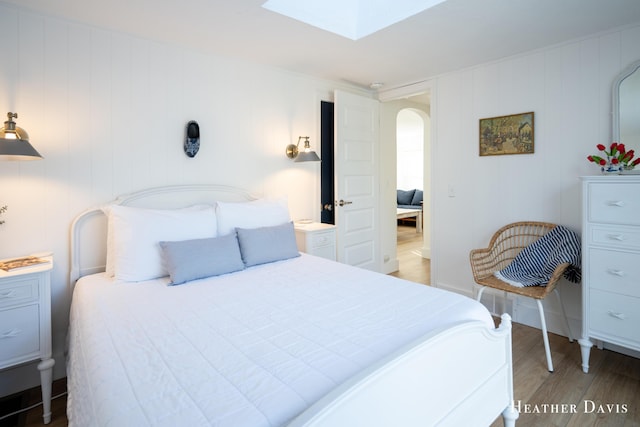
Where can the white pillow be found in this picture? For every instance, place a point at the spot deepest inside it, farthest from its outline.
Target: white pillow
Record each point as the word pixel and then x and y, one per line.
pixel 133 250
pixel 254 214
pixel 110 261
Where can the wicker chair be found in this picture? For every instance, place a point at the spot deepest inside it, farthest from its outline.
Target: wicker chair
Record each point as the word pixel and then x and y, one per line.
pixel 505 244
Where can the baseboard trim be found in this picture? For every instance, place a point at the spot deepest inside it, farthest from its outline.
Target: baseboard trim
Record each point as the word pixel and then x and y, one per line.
pixel 520 310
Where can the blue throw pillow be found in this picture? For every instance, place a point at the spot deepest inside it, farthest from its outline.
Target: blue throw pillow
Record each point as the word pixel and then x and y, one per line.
pixel 196 259
pixel 417 198
pixel 267 244
pixel 405 196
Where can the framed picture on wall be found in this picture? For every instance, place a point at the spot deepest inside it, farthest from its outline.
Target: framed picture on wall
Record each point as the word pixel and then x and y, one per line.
pixel 511 134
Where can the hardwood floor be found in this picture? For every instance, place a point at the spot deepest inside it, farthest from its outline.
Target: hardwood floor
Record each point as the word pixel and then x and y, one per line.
pixel 572 398
pixel 412 266
pixel 33 417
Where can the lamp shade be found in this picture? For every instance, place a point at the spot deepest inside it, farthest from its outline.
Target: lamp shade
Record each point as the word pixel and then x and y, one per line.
pixel 304 155
pixel 14 142
pixel 307 156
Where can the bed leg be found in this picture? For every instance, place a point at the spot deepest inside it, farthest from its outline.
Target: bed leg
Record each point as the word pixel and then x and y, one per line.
pixel 510 415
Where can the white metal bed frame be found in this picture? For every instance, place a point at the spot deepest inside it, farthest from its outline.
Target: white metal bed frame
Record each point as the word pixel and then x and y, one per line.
pixel 418 385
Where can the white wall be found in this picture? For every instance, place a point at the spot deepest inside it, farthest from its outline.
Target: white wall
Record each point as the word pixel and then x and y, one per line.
pixel 568 87
pixel 107 111
pixel 410 146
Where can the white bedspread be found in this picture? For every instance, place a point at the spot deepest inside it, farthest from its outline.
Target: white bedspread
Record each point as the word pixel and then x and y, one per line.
pixel 253 348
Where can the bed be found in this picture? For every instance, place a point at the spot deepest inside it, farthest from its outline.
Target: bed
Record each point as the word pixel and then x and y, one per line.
pixel 285 339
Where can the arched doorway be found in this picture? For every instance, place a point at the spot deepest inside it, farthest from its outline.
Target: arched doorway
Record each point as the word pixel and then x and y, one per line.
pixel 413 173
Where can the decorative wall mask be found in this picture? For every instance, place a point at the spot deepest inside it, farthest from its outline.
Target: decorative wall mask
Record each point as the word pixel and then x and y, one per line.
pixel 192 139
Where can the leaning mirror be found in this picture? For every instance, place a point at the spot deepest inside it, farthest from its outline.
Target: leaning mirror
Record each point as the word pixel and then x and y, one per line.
pixel 626 106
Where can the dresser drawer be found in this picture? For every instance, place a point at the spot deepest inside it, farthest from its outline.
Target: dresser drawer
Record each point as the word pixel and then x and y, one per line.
pixel 19 333
pixel 616 236
pixel 613 315
pixel 615 203
pixel 18 291
pixel 323 239
pixel 614 271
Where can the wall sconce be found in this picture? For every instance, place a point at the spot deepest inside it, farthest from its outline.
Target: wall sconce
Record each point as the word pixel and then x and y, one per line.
pixel 306 155
pixel 14 142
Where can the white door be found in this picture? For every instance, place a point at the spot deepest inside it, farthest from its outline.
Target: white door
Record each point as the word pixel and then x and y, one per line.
pixel 356 180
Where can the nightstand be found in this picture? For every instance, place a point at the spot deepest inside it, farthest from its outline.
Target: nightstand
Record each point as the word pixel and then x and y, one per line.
pixel 25 323
pixel 317 239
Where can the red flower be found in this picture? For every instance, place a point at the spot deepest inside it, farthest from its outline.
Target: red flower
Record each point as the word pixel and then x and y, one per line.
pixel 614 147
pixel 596 159
pixel 617 156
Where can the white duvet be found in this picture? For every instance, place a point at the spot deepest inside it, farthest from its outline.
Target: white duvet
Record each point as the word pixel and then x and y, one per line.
pixel 253 348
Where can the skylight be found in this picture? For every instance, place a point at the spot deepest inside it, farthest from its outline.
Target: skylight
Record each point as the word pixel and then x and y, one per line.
pixel 353 19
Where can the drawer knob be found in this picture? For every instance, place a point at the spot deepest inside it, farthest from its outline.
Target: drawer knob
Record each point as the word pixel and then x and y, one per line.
pixel 617 315
pixel 10 294
pixel 616 237
pixel 618 203
pixel 619 273
pixel 10 334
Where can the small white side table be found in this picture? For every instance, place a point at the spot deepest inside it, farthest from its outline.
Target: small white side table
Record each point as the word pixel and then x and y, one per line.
pixel 25 323
pixel 316 238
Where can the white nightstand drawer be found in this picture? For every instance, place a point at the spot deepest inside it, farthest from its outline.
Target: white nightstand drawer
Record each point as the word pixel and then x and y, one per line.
pixel 316 239
pixel 18 292
pixel 323 239
pixel 614 315
pixel 623 237
pixel 614 271
pixel 614 204
pixel 19 332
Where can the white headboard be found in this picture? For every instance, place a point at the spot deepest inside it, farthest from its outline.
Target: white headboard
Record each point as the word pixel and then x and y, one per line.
pixel 89 229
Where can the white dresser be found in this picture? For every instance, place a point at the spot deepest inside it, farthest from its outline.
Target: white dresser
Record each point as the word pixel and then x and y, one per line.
pixel 610 262
pixel 25 323
pixel 317 239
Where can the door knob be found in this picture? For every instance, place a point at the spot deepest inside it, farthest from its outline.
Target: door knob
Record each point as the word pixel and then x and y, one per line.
pixel 344 202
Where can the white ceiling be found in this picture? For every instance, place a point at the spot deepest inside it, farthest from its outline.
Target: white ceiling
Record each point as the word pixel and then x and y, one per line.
pixel 450 36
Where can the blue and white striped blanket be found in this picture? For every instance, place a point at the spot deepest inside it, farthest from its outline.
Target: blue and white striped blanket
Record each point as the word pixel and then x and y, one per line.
pixel 535 264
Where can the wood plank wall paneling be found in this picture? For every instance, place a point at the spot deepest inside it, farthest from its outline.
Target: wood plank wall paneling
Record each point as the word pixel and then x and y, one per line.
pixel 107 111
pixel 568 87
pixel 118 105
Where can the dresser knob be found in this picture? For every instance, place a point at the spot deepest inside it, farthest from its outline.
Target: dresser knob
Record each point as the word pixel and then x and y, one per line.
pixel 616 237
pixel 618 203
pixel 9 294
pixel 10 334
pixel 619 273
pixel 617 315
